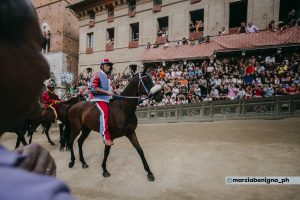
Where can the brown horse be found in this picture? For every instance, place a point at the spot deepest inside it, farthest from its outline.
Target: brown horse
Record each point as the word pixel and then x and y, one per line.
pixel 47 116
pixel 84 116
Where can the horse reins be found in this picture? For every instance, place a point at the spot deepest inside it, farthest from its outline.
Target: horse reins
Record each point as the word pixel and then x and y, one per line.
pixel 145 88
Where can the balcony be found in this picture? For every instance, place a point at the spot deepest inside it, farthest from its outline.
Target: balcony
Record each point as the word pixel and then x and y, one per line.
pixel 133 44
pixel 89 50
pixel 195 35
pixel 131 11
pixel 110 19
pixel 233 30
pixel 91 23
pixel 195 1
pixel 109 47
pixel 156 8
pixel 161 39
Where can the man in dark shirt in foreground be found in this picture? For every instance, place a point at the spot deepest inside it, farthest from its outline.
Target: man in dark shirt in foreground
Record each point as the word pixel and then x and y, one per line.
pixel 28 172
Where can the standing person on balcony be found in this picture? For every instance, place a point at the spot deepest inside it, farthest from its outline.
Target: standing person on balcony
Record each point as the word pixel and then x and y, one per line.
pixel 242 28
pixel 252 28
pixel 101 94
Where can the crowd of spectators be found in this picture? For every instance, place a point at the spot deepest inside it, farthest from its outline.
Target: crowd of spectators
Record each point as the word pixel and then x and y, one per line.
pixel 198 26
pixel 234 78
pixel 217 79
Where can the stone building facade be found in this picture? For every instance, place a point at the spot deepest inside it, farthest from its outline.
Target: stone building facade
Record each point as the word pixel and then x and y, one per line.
pixel 100 21
pixel 60 26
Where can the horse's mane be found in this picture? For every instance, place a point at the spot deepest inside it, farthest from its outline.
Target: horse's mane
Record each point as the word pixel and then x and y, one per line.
pixel 73 100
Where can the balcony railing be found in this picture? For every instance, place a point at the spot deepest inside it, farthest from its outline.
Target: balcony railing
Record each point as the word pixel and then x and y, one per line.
pixel 131 11
pixel 195 35
pixel 109 47
pixel 161 39
pixel 156 8
pixel 89 50
pixel 91 23
pixel 110 17
pixel 133 44
pixel 233 30
pixel 263 108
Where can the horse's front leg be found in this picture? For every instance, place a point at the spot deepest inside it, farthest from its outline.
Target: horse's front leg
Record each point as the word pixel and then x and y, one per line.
pixel 47 128
pixel 134 141
pixel 21 138
pixel 106 153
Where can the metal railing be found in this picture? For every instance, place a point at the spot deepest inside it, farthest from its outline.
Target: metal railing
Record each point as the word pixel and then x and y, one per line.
pixel 264 108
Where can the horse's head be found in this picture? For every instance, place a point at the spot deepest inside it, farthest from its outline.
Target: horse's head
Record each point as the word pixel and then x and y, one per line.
pixel 147 87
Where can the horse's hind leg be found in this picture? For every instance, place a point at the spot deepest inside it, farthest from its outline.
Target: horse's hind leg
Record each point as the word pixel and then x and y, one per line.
pixel 73 134
pixel 106 153
pixel 47 128
pixel 134 141
pixel 85 133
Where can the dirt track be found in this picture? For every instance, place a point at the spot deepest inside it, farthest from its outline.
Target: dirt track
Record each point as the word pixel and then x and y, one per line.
pixel 189 161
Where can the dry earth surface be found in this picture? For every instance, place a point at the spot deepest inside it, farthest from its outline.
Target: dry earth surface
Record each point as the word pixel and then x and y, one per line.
pixel 189 161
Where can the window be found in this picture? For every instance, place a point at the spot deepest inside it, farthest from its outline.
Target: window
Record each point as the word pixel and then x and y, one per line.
pixel 237 13
pixel 163 24
pixel 134 32
pixel 91 14
pixel 90 40
pixel 132 5
pixel 110 12
pixel 286 7
pixel 157 2
pixel 110 34
pixel 197 18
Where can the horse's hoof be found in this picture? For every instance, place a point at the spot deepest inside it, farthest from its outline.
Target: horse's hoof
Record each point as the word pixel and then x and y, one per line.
pixel 52 143
pixel 71 164
pixel 106 174
pixel 84 166
pixel 150 177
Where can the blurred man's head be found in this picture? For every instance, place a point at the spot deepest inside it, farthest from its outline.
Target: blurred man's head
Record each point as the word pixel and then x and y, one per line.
pixel 23 68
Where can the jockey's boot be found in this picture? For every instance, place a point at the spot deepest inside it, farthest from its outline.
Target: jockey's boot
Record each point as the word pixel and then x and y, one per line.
pixel 108 142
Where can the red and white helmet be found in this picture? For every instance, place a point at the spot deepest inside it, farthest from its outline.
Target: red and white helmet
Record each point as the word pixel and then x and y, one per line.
pixel 106 61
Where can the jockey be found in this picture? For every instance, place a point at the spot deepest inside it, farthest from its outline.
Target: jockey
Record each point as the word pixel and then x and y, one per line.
pixel 50 99
pixel 101 93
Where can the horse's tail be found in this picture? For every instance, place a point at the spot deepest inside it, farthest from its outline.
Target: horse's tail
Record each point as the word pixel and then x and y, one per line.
pixel 65 136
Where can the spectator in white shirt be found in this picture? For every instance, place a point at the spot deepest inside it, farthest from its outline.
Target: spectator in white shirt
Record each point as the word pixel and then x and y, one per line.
pixel 251 28
pixel 270 59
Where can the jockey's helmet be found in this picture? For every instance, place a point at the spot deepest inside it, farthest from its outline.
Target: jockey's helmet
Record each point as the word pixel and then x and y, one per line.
pixel 51 85
pixel 106 61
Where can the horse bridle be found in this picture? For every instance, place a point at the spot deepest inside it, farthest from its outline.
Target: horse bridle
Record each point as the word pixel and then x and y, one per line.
pixel 141 82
